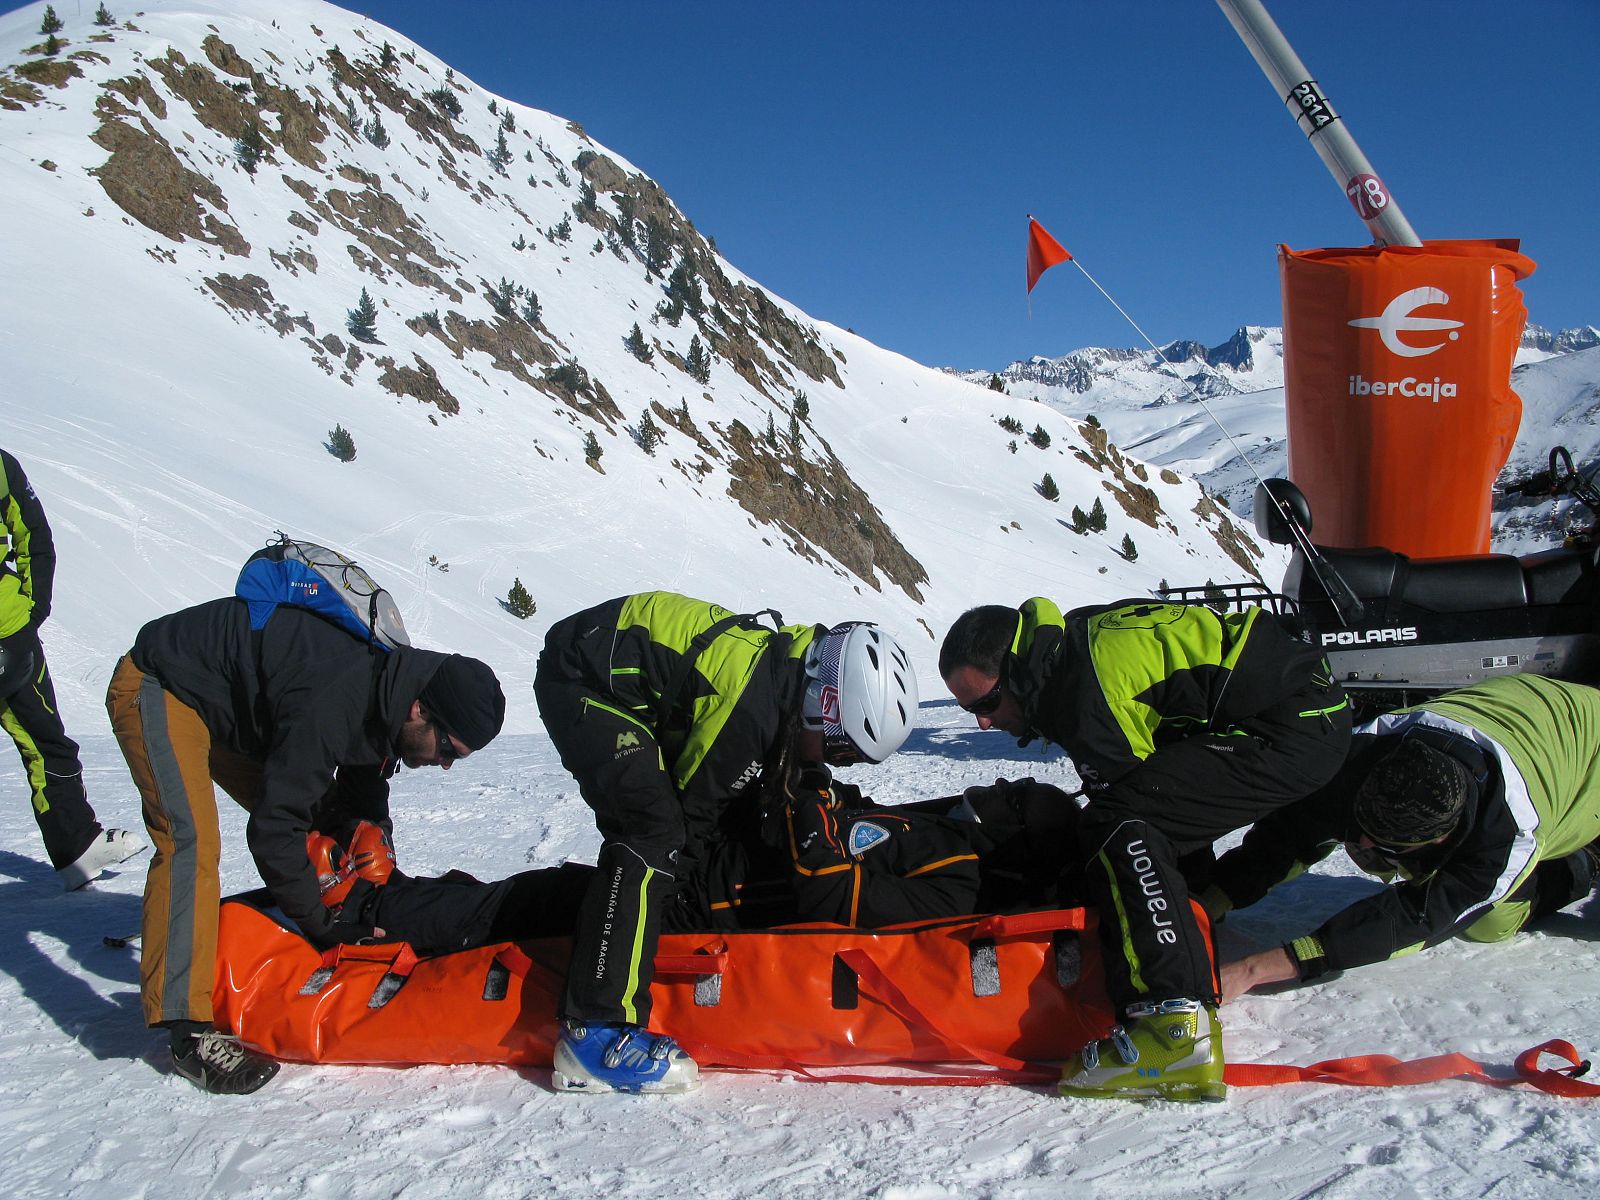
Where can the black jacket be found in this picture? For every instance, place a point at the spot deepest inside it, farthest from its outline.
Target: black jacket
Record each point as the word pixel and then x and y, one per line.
pixel 1438 889
pixel 314 705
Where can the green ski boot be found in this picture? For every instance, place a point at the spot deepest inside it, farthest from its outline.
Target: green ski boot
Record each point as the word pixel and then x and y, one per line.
pixel 1171 1050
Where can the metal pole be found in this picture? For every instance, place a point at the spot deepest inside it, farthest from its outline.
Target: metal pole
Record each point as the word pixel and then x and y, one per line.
pixel 1323 127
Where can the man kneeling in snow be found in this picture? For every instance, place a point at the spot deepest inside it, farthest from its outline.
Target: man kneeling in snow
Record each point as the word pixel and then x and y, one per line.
pixel 1482 805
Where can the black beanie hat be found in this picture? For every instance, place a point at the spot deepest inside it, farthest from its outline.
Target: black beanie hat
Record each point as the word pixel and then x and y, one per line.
pixel 465 697
pixel 1413 796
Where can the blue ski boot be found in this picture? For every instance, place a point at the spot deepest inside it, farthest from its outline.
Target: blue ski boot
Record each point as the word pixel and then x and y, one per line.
pixel 610 1057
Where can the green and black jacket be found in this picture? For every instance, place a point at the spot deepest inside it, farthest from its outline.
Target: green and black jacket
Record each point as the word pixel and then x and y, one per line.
pixel 1113 683
pixel 1533 747
pixel 28 570
pixel 716 691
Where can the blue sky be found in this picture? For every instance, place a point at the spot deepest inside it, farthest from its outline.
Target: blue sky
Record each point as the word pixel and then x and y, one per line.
pixel 874 162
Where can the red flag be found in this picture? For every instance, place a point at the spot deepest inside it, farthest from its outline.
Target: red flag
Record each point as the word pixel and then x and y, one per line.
pixel 1044 252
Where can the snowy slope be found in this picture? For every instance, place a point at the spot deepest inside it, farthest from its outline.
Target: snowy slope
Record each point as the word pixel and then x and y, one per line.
pixel 169 433
pixel 171 395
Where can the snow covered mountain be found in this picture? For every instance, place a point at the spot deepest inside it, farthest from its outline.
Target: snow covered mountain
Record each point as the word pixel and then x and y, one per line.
pixel 558 379
pixel 1154 406
pixel 176 334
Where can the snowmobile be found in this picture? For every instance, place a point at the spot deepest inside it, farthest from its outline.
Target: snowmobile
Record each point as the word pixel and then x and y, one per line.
pixel 1397 629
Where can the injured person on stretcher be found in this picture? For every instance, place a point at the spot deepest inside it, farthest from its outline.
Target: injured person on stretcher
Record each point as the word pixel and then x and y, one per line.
pixel 821 852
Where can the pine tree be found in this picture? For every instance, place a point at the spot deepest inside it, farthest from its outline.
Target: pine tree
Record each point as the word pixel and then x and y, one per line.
pixel 647 433
pixel 500 156
pixel 386 59
pixel 1129 551
pixel 103 17
pixel 683 286
pixel 794 431
pixel 996 384
pixel 1010 424
pixel 340 444
pixel 250 148
pixel 531 312
pixel 570 375
pixel 698 361
pixel 446 101
pixel 51 22
pixel 502 296
pixel 509 124
pixel 657 246
pixel 670 310
pixel 802 407
pixel 1080 522
pixel 587 200
pixel 771 436
pixel 1048 488
pixel 362 320
pixel 518 603
pixel 1097 516
pixel 591 447
pixel 1039 437
pixel 563 231
pixel 52 46
pixel 376 133
pixel 627 207
pixel 637 346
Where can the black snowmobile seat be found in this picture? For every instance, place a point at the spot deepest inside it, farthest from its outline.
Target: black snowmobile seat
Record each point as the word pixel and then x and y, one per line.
pixel 1438 585
pixel 1562 576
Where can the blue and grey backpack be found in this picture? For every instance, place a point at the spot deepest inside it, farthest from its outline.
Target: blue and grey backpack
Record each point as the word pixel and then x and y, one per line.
pixel 325 582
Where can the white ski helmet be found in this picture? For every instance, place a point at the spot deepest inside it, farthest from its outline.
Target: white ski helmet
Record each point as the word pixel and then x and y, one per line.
pixel 862 693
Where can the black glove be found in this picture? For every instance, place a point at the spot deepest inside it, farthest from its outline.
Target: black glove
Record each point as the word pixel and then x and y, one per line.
pixel 323 929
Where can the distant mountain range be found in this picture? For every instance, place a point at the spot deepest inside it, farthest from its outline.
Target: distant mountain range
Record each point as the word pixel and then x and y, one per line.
pixel 1151 406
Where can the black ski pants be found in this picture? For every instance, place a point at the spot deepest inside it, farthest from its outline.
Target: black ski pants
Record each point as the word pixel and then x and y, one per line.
pixel 457 912
pixel 622 777
pixel 50 758
pixel 1176 803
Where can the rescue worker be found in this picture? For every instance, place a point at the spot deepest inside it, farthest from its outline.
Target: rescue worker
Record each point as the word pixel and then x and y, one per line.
pixel 1480 806
pixel 302 723
pixel 675 716
pixel 1184 725
pixel 78 846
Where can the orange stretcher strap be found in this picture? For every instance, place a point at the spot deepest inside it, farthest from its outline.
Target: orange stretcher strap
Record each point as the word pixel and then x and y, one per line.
pixel 1372 1070
pixel 1381 1070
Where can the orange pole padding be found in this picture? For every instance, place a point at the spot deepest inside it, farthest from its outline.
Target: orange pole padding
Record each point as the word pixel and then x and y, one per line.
pixel 1397 374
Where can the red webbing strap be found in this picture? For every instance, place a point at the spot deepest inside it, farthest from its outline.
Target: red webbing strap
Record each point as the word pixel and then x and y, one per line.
pixel 677 965
pixel 405 962
pixel 1382 1070
pixel 1021 924
pixel 399 956
pixel 710 962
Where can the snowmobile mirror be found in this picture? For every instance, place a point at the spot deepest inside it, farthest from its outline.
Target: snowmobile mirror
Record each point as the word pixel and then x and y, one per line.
pixel 1279 507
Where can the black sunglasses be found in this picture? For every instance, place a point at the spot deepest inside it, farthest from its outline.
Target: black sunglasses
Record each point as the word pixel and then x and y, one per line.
pixel 985 704
pixel 446 749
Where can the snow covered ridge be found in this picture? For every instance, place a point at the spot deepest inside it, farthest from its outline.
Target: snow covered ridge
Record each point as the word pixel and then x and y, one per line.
pixel 242 241
pixel 1153 410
